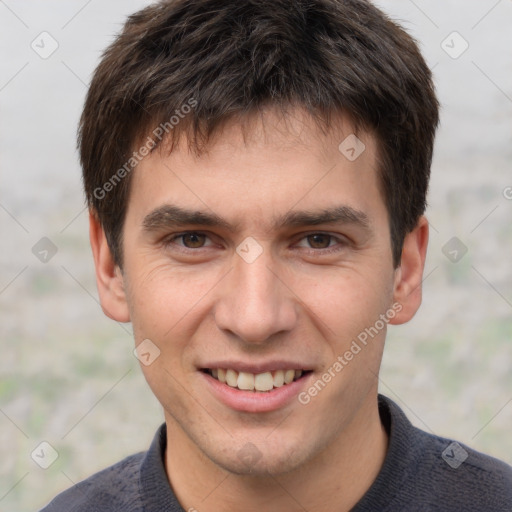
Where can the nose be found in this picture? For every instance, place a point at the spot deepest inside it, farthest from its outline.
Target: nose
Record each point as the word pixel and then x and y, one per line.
pixel 254 303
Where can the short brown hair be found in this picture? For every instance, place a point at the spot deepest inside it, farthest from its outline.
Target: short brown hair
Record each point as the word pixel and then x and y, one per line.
pixel 232 58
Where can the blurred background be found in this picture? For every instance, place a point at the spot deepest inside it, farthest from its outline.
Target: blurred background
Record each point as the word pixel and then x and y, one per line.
pixel 68 376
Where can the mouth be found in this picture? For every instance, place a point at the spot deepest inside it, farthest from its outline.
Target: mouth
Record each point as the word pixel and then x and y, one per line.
pixel 264 382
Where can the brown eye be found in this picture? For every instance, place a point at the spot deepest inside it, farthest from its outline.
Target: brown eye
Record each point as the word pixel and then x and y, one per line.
pixel 319 241
pixel 193 240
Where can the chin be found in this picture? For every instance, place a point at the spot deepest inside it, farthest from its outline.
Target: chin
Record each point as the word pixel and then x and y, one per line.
pixel 260 459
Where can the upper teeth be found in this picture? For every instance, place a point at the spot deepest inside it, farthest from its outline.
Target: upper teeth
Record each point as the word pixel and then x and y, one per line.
pixel 259 382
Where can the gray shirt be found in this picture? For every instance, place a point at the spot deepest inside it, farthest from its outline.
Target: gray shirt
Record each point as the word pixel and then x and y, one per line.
pixel 421 473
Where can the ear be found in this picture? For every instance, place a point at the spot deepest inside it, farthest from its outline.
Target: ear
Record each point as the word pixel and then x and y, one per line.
pixel 409 275
pixel 109 277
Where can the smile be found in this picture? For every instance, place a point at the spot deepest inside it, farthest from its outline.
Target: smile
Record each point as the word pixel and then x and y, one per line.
pixel 263 389
pixel 260 382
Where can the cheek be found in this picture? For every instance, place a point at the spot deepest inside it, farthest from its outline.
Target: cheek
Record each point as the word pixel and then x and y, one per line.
pixel 169 301
pixel 166 300
pixel 344 301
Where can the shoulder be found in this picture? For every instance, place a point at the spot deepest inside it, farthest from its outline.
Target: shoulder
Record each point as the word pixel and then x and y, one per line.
pixel 458 474
pixel 441 474
pixel 115 488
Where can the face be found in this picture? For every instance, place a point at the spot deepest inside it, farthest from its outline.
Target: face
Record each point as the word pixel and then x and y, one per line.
pixel 266 258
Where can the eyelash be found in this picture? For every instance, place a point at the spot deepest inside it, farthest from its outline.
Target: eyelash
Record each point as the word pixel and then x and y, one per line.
pixel 342 243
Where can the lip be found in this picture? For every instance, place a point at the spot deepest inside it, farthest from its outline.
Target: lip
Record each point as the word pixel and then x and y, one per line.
pixel 252 401
pixel 256 368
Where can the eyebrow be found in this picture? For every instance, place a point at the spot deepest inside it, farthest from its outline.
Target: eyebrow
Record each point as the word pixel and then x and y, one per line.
pixel 168 216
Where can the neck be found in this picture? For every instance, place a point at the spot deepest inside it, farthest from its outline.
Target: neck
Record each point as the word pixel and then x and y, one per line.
pixel 334 480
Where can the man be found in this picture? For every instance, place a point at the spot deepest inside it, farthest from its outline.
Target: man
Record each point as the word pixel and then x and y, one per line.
pixel 256 174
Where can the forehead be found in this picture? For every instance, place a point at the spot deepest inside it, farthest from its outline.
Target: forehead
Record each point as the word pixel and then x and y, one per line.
pixel 264 166
pixel 292 129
